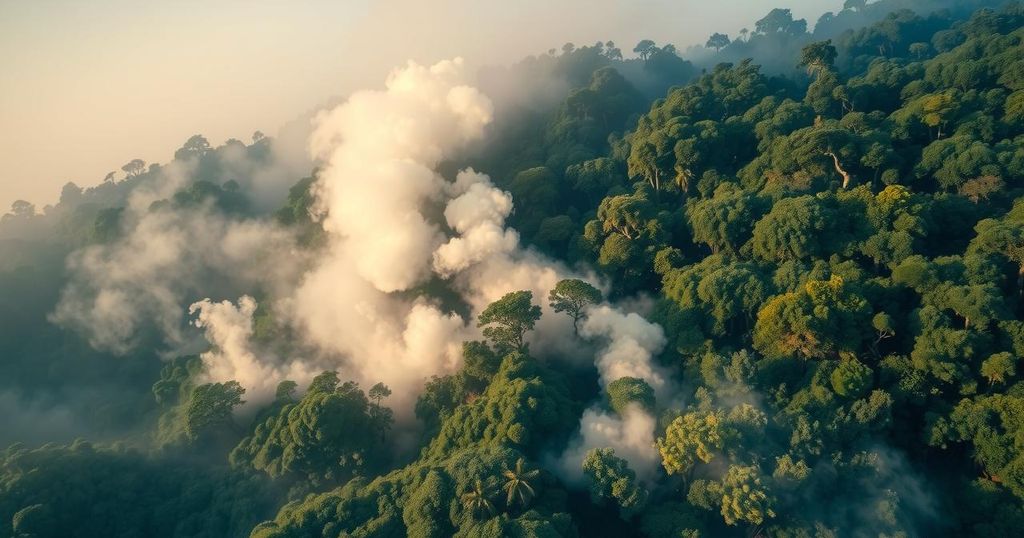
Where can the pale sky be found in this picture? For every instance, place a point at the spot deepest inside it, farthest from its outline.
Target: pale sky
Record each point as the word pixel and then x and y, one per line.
pixel 88 86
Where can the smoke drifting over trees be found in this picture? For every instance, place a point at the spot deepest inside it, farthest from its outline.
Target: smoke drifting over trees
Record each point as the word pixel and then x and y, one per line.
pixel 769 290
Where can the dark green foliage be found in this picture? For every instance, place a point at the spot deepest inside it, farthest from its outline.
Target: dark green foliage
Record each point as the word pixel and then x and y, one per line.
pixel 210 406
pixel 333 432
pixel 83 491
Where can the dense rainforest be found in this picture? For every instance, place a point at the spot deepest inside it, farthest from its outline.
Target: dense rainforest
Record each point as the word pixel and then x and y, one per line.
pixel 771 286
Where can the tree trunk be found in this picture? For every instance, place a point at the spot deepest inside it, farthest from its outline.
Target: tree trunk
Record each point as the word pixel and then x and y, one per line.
pixel 839 169
pixel 1020 280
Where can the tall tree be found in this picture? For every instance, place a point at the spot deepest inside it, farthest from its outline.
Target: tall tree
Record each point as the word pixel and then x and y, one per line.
pixel 573 296
pixel 477 501
pixel 507 320
pixel 717 41
pixel 517 484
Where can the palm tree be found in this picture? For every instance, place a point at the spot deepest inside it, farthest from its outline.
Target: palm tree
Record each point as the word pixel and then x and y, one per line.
pixel 476 501
pixel 517 485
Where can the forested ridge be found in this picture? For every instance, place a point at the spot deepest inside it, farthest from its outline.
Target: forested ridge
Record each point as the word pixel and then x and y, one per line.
pixel 788 301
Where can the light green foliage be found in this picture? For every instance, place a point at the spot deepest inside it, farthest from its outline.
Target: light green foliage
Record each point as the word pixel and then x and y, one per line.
pixel 851 378
pixel 819 321
pixel 524 406
pixel 999 367
pixel 477 501
pixel 517 485
pixel 611 478
pixel 745 499
pixel 692 437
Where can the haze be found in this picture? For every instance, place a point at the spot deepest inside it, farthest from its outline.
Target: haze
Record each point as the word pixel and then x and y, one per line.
pixel 85 87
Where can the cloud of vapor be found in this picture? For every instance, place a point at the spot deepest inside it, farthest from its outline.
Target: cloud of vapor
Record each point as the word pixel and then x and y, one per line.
pixel 380 150
pixel 395 228
pixel 478 214
pixel 228 327
pixel 37 422
pixel 150 275
pixel 164 259
pixel 631 435
pixel 381 201
pixel 632 343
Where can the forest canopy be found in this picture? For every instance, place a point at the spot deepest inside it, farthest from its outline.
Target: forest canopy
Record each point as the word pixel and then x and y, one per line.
pixel 771 286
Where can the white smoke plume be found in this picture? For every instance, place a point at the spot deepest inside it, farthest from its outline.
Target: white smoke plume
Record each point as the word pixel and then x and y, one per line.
pixel 166 259
pixel 380 150
pixel 632 343
pixel 631 435
pixel 229 329
pixel 361 306
pixel 378 192
pixel 478 214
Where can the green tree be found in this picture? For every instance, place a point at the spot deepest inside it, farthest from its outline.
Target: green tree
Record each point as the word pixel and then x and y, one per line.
pixel 517 484
pixel 819 321
pixel 725 222
pixel 611 478
pixel 627 391
pixel 780 21
pixel 745 498
pixel 134 167
pixel 332 432
pixel 507 320
pixel 851 378
pixel 573 296
pixel 477 501
pixel 818 57
pixel 645 48
pixel 380 415
pixel 692 437
pixel 717 41
pixel 210 406
pixel 998 367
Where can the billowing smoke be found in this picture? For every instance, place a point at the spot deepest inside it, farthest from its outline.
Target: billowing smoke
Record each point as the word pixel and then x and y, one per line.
pixel 380 151
pixel 630 344
pixel 478 214
pixel 229 330
pixel 631 435
pixel 167 258
pixel 395 228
